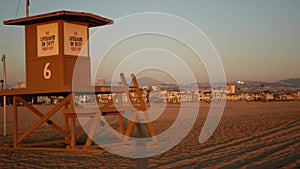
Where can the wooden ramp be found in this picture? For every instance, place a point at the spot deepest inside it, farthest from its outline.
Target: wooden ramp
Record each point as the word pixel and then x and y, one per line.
pixel 70 134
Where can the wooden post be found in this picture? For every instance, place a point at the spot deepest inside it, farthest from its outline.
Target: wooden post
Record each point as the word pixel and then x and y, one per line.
pixel 131 124
pixel 146 115
pixel 15 106
pixel 27 8
pixel 66 121
pixel 93 128
pixel 121 123
pixel 73 131
pixel 4 97
pixel 121 120
pixel 66 125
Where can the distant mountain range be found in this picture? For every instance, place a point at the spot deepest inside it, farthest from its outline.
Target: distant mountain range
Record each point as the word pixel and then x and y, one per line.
pixel 286 85
pixel 147 81
pixel 290 82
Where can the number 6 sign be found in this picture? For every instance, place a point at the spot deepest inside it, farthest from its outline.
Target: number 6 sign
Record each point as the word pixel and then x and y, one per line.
pixel 47 71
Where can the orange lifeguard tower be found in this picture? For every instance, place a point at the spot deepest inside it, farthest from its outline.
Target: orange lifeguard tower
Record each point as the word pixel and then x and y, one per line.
pixel 54 43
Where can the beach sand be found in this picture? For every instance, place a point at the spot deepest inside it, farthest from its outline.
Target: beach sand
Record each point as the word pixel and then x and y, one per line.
pixel 249 135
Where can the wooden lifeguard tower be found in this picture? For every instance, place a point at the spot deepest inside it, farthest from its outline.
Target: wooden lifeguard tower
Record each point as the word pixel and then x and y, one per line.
pixel 54 43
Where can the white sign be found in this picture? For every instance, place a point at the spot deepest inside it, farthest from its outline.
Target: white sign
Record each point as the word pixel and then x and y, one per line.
pixel 75 39
pixel 47 39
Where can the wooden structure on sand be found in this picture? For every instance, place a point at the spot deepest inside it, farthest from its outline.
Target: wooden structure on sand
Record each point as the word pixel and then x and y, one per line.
pixel 55 43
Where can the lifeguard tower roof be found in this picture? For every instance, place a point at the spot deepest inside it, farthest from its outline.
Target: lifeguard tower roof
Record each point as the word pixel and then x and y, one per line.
pixel 91 19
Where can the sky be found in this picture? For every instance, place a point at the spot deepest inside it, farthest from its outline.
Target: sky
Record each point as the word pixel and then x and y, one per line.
pixel 255 40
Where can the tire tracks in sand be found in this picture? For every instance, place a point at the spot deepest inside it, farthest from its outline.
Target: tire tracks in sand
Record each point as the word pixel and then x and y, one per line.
pixel 244 151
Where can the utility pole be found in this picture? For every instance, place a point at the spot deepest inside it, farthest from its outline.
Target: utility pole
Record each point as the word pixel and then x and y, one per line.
pixel 27 8
pixel 4 97
pixel 4 77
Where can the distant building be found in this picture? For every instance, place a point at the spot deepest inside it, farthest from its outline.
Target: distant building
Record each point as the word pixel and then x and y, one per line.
pixel 230 89
pixel 19 85
pixel 205 95
pixel 154 87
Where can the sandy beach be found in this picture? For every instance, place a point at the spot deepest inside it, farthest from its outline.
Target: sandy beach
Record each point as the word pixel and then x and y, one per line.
pixel 250 135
